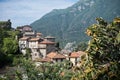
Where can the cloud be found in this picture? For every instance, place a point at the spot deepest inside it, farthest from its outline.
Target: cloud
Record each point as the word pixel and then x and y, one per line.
pixel 23 12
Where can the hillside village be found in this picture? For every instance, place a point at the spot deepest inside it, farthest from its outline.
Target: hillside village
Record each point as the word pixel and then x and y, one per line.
pixel 61 42
pixel 44 49
pixel 41 49
pixel 41 58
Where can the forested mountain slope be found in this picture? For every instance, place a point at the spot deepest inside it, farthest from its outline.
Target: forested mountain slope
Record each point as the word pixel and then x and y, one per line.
pixel 69 24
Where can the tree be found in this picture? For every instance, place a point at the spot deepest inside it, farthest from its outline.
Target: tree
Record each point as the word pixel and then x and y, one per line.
pixel 103 62
pixel 1 39
pixel 46 71
pixel 104 45
pixel 104 48
pixel 10 46
pixel 3 34
pixel 28 53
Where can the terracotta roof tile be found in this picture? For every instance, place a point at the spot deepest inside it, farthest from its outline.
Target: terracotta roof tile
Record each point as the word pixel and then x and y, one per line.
pixel 46 60
pixel 47 42
pixel 34 39
pixel 51 54
pixel 24 38
pixel 59 56
pixel 76 54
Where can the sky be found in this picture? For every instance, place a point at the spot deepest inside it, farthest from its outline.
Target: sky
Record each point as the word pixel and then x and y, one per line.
pixel 24 12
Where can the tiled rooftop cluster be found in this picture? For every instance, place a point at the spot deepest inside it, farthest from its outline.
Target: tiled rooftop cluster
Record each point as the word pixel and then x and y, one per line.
pixel 43 49
pixel 39 45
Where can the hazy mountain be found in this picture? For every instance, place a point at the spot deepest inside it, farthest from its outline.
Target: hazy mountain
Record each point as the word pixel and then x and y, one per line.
pixel 69 24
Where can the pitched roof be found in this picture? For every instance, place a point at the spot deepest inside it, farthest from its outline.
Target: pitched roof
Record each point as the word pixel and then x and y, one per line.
pixel 34 39
pixel 27 26
pixel 47 42
pixel 24 38
pixel 76 54
pixel 59 56
pixel 46 60
pixel 52 54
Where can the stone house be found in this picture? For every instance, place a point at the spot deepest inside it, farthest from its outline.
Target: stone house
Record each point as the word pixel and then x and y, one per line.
pixel 29 34
pixel 33 45
pixel 46 47
pixel 24 28
pixel 39 35
pixel 59 58
pixel 23 44
pixel 26 31
pixel 75 57
pixel 46 59
pixel 40 47
pixel 53 57
pixel 35 41
pixel 27 28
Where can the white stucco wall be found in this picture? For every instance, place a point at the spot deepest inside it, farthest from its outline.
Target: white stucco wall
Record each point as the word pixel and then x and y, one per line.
pixel 43 52
pixel 23 51
pixel 33 44
pixel 72 60
pixel 23 45
pixel 42 45
pixel 35 55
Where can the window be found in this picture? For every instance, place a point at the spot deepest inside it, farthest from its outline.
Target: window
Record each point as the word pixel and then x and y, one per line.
pixel 35 54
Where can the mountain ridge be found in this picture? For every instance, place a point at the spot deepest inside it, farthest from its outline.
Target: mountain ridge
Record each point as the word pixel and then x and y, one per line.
pixel 69 25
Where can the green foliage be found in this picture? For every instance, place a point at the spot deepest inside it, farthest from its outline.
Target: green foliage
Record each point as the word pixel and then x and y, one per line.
pixel 29 69
pixel 10 46
pixel 102 62
pixel 105 45
pixel 45 71
pixel 57 71
pixel 28 53
pixel 104 49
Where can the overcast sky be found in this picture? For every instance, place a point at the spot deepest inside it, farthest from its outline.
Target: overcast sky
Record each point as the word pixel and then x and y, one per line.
pixel 22 12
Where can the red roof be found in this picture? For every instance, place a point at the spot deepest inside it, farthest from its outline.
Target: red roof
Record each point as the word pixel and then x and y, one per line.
pixel 59 56
pixel 34 39
pixel 47 42
pixel 46 60
pixel 24 38
pixel 52 54
pixel 76 54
